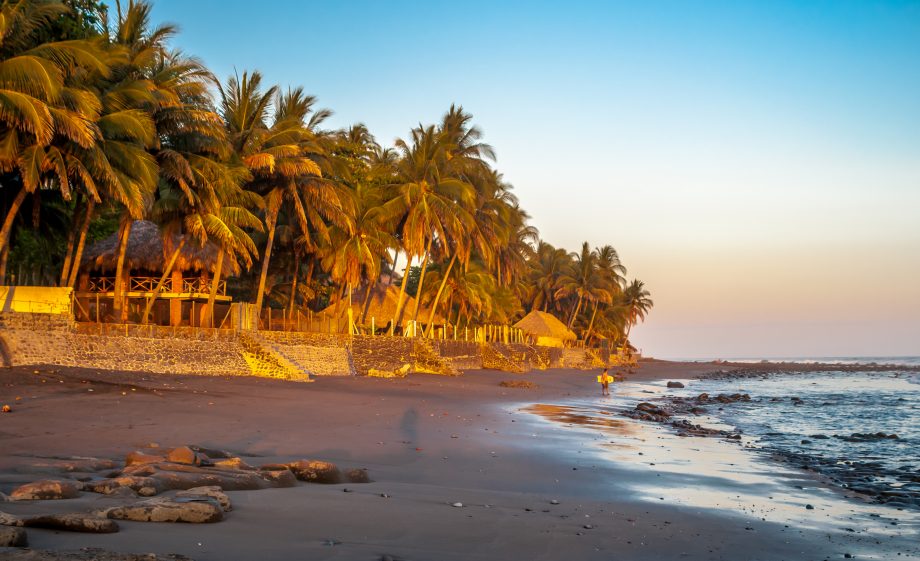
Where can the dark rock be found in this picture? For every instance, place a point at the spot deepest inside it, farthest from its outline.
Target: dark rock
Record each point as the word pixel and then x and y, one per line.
pixel 201 510
pixel 357 475
pixel 675 385
pixel 74 522
pixel 211 491
pixel 140 458
pixel 47 489
pixel 316 471
pixel 13 537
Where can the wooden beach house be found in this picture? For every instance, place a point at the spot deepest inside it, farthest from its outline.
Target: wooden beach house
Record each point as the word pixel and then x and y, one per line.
pixel 181 300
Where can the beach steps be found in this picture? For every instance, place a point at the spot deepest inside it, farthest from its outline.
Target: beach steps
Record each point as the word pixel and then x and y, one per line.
pixel 311 354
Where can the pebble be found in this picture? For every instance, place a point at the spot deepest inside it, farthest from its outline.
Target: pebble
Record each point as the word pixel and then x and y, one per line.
pixel 809 507
pixel 458 505
pixel 554 502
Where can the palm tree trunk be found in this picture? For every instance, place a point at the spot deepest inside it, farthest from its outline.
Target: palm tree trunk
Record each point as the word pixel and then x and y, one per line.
pixel 591 325
pixel 81 243
pixel 166 272
pixel 265 258
pixel 294 283
pixel 215 283
pixel 437 298
pixel 366 305
pixel 71 241
pixel 397 316
pixel 575 312
pixel 421 280
pixel 4 257
pixel 8 223
pixel 118 305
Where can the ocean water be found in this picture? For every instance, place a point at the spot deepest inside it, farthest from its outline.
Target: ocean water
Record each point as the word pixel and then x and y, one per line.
pixel 862 491
pixel 895 360
pixel 861 429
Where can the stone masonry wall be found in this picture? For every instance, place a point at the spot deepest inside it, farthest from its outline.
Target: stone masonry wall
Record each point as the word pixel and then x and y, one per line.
pixel 55 339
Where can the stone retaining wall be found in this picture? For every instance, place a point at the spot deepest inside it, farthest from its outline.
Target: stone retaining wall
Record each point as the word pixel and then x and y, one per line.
pixel 27 339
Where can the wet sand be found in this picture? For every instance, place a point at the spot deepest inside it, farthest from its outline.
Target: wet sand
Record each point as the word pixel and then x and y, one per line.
pixel 427 442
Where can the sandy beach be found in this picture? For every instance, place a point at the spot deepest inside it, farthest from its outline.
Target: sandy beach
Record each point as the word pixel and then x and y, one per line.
pixel 428 442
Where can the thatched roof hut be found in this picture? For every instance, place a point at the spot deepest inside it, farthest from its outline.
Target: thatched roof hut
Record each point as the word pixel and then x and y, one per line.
pixel 546 329
pixel 382 306
pixel 147 252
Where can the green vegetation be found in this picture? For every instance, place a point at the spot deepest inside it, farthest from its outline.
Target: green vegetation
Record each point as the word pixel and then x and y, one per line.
pixel 103 123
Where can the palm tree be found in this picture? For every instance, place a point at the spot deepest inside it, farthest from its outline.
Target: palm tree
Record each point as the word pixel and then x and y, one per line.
pixel 611 270
pixel 280 155
pixel 637 302
pixel 39 101
pixel 583 281
pixel 432 204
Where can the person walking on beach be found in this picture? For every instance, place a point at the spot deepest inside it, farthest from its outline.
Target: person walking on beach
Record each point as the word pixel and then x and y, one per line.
pixel 605 380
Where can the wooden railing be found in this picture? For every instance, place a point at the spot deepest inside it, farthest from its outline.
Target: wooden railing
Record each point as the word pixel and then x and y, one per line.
pixel 148 284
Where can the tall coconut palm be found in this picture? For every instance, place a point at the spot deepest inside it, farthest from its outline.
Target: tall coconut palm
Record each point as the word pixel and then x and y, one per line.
pixel 432 204
pixel 583 281
pixel 637 302
pixel 279 150
pixel 39 101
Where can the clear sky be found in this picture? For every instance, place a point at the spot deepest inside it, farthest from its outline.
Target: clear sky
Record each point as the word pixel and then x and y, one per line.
pixel 757 164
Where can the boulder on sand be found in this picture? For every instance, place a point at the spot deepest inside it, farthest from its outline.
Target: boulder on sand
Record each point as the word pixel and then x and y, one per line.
pixel 72 522
pixel 316 471
pixel 212 491
pixel 197 510
pixel 13 537
pixel 47 489
pixel 143 486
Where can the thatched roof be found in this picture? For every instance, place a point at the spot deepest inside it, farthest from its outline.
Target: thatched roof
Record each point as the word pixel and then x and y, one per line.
pixel 146 252
pixel 542 324
pixel 382 306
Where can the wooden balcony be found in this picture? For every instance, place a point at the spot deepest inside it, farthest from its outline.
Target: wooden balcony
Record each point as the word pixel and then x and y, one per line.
pixel 194 288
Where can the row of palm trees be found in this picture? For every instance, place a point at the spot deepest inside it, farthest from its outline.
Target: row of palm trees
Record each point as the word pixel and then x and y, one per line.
pixel 102 123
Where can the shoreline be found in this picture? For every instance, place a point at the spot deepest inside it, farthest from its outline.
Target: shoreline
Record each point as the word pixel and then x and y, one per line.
pixel 427 442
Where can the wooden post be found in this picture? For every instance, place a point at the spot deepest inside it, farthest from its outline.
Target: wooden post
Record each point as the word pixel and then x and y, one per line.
pixel 373 327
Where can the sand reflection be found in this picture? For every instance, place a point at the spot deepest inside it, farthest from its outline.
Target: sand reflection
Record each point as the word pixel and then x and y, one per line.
pixel 572 415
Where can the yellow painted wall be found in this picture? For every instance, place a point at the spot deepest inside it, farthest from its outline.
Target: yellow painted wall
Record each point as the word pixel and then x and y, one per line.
pixel 36 299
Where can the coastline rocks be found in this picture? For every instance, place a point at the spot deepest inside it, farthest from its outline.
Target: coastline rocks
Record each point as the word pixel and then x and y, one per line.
pixel 46 489
pixel 316 471
pixel 72 522
pixel 675 385
pixel 647 412
pixel 868 437
pixel 143 486
pixel 211 491
pixel 191 510
pixel 86 554
pixel 137 457
pixel 184 455
pixel 13 537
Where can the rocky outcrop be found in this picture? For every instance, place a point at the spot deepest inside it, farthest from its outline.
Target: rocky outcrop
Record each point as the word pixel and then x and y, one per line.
pixel 71 522
pixel 13 537
pixel 85 554
pixel 211 491
pixel 46 489
pixel 192 510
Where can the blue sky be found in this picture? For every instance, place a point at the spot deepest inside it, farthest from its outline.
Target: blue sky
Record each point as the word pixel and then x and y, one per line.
pixel 756 164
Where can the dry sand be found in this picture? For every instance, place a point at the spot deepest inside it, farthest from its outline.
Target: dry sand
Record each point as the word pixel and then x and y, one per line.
pixel 427 441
